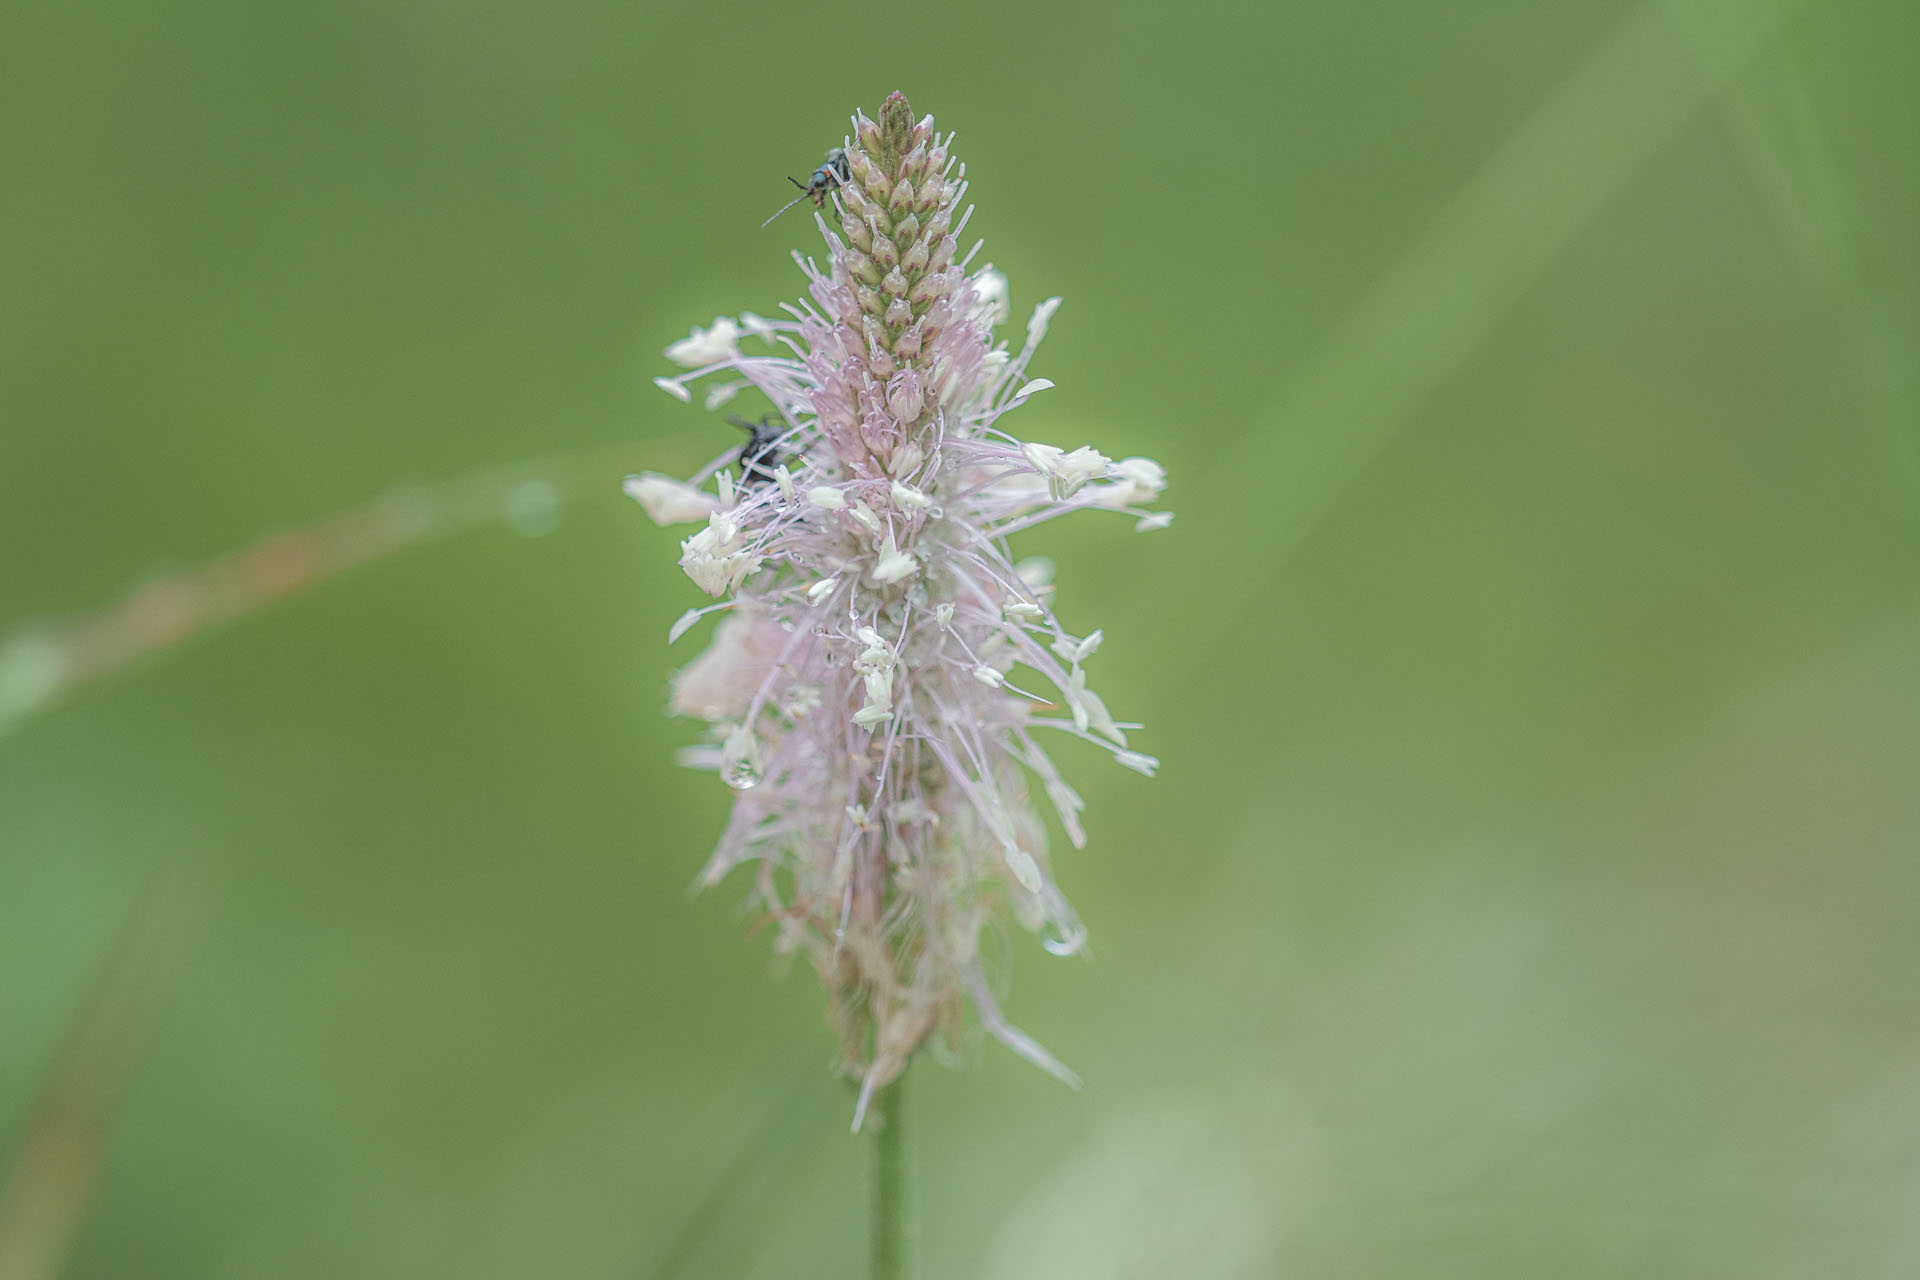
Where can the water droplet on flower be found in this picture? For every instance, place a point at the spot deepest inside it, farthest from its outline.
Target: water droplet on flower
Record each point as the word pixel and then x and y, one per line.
pixel 740 775
pixel 1064 941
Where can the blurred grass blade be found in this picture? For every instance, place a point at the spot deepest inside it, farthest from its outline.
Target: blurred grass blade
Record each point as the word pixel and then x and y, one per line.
pixel 755 1154
pixel 40 665
pixel 50 1178
pixel 1775 124
pixel 1425 317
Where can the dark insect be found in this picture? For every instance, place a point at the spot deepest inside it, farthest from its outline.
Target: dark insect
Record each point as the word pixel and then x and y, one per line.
pixel 758 457
pixel 828 176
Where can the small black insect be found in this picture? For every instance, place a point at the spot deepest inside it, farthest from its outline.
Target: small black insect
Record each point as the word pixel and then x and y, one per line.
pixel 758 456
pixel 828 176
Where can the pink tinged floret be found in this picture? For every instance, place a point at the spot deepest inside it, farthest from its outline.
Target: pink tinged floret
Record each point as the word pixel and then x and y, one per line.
pixel 721 682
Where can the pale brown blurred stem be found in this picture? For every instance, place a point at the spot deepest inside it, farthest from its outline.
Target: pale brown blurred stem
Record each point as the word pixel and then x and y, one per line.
pixel 41 665
pixel 892 1228
pixel 48 1185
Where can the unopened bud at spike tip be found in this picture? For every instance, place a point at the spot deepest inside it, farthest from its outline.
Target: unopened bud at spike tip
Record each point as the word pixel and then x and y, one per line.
pixel 896 129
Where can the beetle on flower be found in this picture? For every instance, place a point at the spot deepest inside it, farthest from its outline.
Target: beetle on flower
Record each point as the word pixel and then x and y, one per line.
pixel 879 687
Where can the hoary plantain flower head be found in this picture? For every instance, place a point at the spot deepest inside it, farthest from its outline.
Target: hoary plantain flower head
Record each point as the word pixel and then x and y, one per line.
pixel 880 685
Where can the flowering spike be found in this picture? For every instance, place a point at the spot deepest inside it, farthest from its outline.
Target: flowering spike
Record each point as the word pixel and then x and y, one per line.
pixel 869 692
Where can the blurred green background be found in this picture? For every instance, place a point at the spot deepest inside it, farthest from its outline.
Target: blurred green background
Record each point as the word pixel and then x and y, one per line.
pixel 1531 885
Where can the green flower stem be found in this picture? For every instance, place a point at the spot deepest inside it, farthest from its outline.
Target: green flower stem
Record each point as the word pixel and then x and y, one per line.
pixel 892 1229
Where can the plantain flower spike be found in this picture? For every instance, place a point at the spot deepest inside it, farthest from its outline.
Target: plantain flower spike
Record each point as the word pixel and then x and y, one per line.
pixel 880 684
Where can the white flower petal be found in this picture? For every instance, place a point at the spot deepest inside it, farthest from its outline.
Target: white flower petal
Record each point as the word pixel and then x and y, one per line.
pixel 1042 318
pixel 685 624
pixel 894 565
pixel 668 501
pixel 1067 472
pixel 990 295
pixel 718 341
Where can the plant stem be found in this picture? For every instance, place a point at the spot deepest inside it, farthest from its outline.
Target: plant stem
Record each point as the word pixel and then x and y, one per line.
pixel 892 1228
